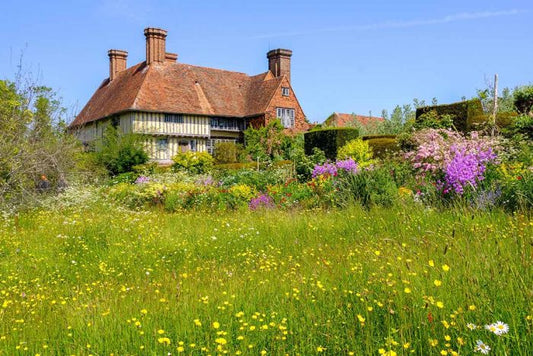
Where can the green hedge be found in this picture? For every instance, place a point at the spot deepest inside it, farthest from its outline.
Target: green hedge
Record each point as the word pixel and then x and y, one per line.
pixel 382 144
pixel 329 140
pixel 466 115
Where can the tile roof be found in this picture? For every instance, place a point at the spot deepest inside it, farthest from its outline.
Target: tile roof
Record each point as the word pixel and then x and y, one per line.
pixel 343 120
pixel 181 88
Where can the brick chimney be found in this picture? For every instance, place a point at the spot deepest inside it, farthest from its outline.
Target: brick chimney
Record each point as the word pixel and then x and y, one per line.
pixel 117 62
pixel 279 62
pixel 155 45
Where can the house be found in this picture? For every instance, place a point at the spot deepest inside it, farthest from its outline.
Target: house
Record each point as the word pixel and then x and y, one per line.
pixel 352 120
pixel 181 107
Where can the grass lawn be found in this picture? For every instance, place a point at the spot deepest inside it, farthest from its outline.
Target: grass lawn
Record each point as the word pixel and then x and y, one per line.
pixel 103 280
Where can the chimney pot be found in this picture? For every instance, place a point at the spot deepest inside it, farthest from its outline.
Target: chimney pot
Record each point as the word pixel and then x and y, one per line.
pixel 117 62
pixel 155 45
pixel 279 62
pixel 171 57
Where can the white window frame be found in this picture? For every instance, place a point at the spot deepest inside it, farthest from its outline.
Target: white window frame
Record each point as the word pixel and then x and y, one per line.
pixel 285 91
pixel 286 115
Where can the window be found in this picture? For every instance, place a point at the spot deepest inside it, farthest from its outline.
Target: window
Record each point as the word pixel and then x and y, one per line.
pixel 226 124
pixel 174 118
pixel 286 116
pixel 162 144
pixel 285 91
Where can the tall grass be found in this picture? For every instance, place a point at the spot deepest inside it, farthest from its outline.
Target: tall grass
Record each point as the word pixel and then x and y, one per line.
pixel 102 280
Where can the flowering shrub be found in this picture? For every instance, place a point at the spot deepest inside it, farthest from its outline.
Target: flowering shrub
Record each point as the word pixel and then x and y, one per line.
pixel 332 169
pixel 263 201
pixel 436 148
pixel 466 169
pixel 455 161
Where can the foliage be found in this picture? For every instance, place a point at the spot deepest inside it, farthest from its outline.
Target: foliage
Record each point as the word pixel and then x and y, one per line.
pixel 227 152
pixel 369 187
pixel 465 114
pixel 521 125
pixel 329 140
pixel 382 145
pixel 33 143
pixel 516 187
pixel 432 120
pixel 119 153
pixel 264 143
pixel 359 150
pixel 193 162
pixel 523 99
pixel 505 100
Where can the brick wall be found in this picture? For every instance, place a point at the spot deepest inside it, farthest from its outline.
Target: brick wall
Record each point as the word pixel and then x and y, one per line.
pixel 280 101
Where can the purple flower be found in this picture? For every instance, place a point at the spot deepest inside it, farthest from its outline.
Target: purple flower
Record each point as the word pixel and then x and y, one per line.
pixel 348 165
pixel 205 181
pixel 466 169
pixel 262 201
pixel 326 168
pixel 332 169
pixel 142 180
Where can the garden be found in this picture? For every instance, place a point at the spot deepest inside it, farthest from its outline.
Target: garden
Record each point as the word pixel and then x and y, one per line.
pixel 338 242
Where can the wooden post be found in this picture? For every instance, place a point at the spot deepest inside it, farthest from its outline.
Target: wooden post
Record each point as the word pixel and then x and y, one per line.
pixel 495 110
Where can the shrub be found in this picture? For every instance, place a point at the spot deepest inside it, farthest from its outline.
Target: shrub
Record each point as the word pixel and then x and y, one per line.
pixel 193 162
pixel 382 145
pixel 432 120
pixel 517 191
pixel 227 152
pixel 452 160
pixel 465 114
pixel 120 153
pixel 523 99
pixel 329 140
pixel 369 187
pixel 264 143
pixel 359 150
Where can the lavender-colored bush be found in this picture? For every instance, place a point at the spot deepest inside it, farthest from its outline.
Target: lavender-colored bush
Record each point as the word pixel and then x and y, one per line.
pixel 466 169
pixel 333 169
pixel 263 201
pixel 460 161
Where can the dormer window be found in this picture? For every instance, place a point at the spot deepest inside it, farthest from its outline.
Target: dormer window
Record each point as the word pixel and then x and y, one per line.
pixel 285 91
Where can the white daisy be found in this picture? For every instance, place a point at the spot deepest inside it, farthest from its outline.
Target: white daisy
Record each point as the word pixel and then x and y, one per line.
pixel 482 347
pixel 491 328
pixel 501 328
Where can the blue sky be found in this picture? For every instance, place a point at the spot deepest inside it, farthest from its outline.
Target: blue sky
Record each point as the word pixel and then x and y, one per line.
pixel 348 56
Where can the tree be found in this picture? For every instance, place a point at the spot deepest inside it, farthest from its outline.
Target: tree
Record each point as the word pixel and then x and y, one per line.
pixel 33 142
pixel 119 153
pixel 264 143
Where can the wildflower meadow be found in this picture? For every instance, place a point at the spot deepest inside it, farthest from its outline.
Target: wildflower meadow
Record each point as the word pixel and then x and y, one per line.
pixel 399 281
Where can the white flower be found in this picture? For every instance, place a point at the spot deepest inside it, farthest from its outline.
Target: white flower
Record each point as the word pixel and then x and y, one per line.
pixel 471 326
pixel 501 328
pixel 491 328
pixel 482 347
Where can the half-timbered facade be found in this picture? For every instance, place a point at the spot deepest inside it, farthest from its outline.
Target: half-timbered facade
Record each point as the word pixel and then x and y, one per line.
pixel 181 107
